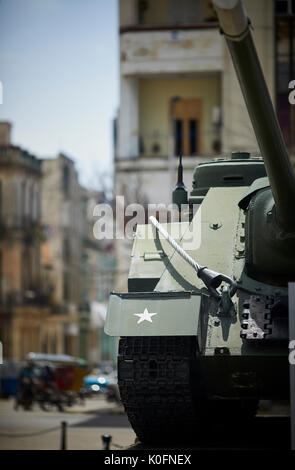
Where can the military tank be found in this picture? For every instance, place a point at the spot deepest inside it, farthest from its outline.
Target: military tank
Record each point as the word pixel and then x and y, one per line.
pixel 204 330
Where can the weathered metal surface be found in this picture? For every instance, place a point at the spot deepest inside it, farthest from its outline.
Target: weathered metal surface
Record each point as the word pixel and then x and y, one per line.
pixel 260 321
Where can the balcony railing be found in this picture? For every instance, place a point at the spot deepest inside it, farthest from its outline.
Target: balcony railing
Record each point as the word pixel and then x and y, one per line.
pixel 16 222
pixel 168 27
pixel 193 141
pixel 31 229
pixel 14 298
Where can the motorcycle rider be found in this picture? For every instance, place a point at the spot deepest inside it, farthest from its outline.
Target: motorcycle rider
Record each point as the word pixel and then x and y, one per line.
pixel 25 392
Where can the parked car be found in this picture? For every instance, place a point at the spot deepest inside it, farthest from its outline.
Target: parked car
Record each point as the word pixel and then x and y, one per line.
pixel 96 382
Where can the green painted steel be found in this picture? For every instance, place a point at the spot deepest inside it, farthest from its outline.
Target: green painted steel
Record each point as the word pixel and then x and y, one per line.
pixel 153 314
pixel 150 255
pixel 266 128
pixel 226 173
pixel 258 184
pixel 217 246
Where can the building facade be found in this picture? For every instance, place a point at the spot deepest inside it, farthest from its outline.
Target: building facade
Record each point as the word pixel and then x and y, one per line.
pixel 74 262
pixel 62 252
pixel 55 277
pixel 98 265
pixel 179 93
pixel 23 297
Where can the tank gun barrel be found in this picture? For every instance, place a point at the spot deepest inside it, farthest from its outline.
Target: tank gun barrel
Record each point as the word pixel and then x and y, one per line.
pixel 235 27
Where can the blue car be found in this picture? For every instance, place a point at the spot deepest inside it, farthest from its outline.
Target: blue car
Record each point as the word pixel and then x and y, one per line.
pixel 96 383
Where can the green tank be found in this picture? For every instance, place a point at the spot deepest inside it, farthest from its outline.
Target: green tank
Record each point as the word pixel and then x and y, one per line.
pixel 204 328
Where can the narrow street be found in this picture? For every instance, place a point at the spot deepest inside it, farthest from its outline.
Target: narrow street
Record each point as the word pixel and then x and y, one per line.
pixel 27 430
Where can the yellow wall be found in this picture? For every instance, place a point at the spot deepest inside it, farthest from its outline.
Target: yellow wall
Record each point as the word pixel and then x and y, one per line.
pixel 154 109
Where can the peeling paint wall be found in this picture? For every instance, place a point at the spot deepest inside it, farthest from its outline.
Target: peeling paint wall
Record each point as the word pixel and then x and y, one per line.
pixel 153 52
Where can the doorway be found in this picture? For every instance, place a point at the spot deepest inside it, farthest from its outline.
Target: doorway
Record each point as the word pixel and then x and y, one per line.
pixel 187 126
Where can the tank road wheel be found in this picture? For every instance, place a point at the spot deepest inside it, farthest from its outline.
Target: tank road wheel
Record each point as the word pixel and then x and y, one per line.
pixel 157 378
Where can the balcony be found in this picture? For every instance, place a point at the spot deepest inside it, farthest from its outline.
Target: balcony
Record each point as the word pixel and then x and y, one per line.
pixel 31 229
pixel 195 142
pixel 171 51
pixel 33 297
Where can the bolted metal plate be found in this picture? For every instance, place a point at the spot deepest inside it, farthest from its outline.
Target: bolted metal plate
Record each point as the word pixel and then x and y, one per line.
pixel 259 321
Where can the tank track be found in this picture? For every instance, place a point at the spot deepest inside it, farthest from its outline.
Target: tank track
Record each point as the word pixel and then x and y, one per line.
pixel 157 378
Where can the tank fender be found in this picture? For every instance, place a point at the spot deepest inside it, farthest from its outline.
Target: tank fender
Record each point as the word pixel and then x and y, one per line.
pixel 153 314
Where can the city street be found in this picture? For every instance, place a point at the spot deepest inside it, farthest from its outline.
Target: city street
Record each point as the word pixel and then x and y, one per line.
pixel 27 430
pixel 39 430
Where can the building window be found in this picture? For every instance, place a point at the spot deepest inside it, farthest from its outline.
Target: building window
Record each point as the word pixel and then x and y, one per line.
pixel 193 136
pixel 1 279
pixel 66 250
pixel 31 202
pixel 27 270
pixel 285 7
pixel 187 116
pixel 37 205
pixel 66 180
pixel 23 201
pixel 1 201
pixel 285 67
pixel 66 287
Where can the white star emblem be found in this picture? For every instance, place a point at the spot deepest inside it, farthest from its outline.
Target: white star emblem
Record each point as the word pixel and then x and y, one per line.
pixel 145 316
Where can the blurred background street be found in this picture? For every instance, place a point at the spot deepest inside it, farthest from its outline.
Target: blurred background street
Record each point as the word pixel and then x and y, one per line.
pixel 27 430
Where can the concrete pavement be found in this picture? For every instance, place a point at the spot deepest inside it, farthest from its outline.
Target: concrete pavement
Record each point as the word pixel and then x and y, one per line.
pixel 40 430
